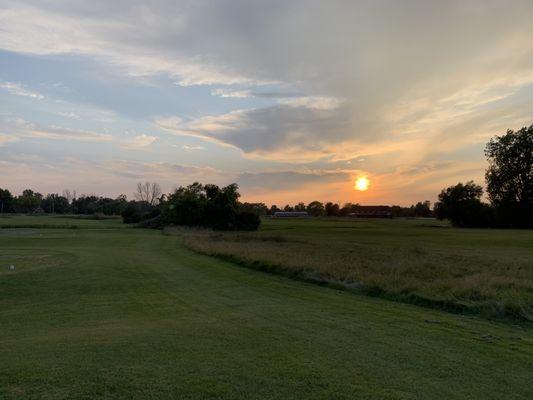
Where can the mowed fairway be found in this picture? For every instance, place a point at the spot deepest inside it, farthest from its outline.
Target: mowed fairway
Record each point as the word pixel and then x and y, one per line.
pixel 115 313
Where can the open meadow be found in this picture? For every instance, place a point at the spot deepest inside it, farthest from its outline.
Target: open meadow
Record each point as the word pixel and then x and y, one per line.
pixel 425 261
pixel 96 310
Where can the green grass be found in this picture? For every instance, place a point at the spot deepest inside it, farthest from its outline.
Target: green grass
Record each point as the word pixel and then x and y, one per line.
pixel 482 271
pixel 58 222
pixel 132 314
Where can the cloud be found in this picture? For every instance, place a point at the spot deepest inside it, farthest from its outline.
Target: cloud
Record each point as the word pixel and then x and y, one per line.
pixel 139 142
pixel 313 102
pixel 20 128
pixel 393 67
pixel 19 90
pixel 68 114
pixel 280 180
pixel 284 131
pixel 396 83
pixel 60 133
pixel 5 139
pixel 248 93
pixel 187 147
pixel 108 177
pixel 238 94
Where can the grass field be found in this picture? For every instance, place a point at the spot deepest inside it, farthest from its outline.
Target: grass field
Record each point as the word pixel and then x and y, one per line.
pixel 102 312
pixel 488 272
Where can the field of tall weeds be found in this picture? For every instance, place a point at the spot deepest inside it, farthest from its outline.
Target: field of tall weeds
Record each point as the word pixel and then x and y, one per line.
pixel 488 272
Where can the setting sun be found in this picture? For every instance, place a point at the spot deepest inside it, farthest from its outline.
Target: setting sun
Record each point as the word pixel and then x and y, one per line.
pixel 362 184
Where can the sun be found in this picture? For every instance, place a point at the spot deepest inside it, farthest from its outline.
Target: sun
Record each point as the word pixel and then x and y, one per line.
pixel 362 183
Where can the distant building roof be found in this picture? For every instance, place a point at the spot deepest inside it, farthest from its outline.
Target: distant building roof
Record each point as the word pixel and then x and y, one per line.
pixel 372 212
pixel 289 214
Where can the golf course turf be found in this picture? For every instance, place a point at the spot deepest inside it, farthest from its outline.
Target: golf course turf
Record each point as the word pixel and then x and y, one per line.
pixel 107 312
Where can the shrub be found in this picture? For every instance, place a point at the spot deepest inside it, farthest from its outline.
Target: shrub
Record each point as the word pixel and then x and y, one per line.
pixel 131 214
pixel 247 221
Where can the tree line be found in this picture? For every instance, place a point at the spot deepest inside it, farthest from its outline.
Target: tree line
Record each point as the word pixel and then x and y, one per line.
pixel 318 209
pixel 31 202
pixel 509 182
pixel 509 185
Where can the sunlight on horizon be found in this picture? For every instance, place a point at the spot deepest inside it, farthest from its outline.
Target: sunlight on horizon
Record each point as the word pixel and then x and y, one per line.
pixel 362 184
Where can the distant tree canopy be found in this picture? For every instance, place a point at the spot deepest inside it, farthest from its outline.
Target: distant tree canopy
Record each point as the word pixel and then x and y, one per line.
pixel 7 201
pixel 462 205
pixel 316 209
pixel 30 202
pixel 254 208
pixel 208 206
pixel 91 204
pixel 149 192
pixel 509 176
pixel 332 209
pixel 509 179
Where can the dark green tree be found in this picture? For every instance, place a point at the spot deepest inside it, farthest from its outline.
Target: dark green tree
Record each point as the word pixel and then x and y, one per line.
pixel 53 203
pixel 422 209
pixel 462 205
pixel 28 201
pixel 332 209
pixel 316 209
pixel 509 176
pixel 6 201
pixel 300 207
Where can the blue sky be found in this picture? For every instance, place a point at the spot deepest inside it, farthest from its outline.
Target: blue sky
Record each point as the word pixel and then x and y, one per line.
pixel 294 100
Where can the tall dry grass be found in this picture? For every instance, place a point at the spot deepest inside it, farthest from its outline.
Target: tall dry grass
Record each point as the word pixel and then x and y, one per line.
pixel 462 280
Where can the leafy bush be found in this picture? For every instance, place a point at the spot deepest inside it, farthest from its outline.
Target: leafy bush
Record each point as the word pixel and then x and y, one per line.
pixel 462 205
pixel 131 214
pixel 247 221
pixel 208 206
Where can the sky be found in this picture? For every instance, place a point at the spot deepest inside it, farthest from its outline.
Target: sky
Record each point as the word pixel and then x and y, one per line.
pixel 293 100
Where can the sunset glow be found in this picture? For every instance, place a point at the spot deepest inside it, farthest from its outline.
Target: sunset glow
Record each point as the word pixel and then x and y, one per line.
pixel 260 97
pixel 362 184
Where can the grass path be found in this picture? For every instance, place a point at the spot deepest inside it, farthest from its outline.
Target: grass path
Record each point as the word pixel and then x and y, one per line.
pixel 132 314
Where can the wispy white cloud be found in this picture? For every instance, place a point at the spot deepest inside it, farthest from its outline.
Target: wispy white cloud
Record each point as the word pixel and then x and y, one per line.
pixel 19 90
pixel 187 147
pixel 68 114
pixel 5 139
pixel 139 142
pixel 225 93
pixel 313 102
pixel 60 133
pixel 20 128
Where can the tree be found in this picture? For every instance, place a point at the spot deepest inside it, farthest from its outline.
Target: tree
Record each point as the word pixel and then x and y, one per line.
pixel 29 201
pixel 6 201
pixel 131 214
pixel 54 203
pixel 254 208
pixel 207 206
pixel 149 192
pixel 332 210
pixel 273 209
pixel 462 205
pixel 316 209
pixel 509 176
pixel 300 207
pixel 422 209
pixel 69 195
pixel 348 208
